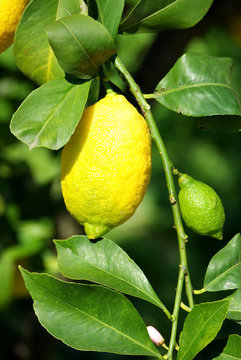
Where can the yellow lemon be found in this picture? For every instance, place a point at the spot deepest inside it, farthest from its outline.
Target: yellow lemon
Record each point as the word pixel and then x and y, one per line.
pixel 10 13
pixel 201 207
pixel 106 165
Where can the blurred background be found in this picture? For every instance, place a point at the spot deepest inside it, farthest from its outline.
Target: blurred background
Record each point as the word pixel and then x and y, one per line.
pixel 32 211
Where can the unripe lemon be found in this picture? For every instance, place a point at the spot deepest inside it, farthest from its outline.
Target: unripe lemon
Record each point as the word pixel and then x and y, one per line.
pixel 201 207
pixel 10 13
pixel 106 165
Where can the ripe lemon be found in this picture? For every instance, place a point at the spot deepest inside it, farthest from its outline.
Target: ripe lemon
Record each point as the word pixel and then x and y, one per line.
pixel 10 13
pixel 106 165
pixel 201 208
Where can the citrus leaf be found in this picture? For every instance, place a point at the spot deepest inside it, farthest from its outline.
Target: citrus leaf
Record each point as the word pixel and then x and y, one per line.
pixel 149 15
pixel 32 51
pixel 234 310
pixel 84 44
pixel 88 317
pixel 110 15
pixel 105 263
pixel 199 85
pixel 224 269
pixel 49 115
pixel 200 328
pixel 232 350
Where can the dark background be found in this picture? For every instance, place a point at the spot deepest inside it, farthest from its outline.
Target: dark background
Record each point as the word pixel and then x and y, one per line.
pixel 31 205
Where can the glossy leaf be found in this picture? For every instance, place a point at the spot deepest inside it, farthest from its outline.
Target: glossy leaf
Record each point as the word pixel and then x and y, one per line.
pixel 224 269
pixel 232 350
pixel 110 15
pixel 88 317
pixel 32 51
pixel 80 44
pixel 49 115
pixel 200 328
pixel 199 85
pixel 153 15
pixel 103 262
pixel 234 310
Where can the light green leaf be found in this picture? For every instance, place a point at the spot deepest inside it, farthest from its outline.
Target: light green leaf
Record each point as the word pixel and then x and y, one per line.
pixel 49 115
pixel 224 269
pixel 103 262
pixel 199 85
pixel 232 350
pixel 88 317
pixel 149 15
pixel 84 44
pixel 234 310
pixel 200 328
pixel 110 15
pixel 32 52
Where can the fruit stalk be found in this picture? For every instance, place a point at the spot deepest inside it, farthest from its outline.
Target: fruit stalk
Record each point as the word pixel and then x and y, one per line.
pixel 168 166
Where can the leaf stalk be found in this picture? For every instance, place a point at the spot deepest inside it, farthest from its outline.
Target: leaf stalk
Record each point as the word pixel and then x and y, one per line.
pixel 168 169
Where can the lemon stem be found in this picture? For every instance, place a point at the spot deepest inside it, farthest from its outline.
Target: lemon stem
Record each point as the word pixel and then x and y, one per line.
pixel 168 169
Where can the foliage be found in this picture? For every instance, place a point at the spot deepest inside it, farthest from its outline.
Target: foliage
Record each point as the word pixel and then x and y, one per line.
pixel 72 50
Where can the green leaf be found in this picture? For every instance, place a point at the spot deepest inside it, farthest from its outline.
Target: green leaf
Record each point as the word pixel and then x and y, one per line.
pixel 224 269
pixel 234 310
pixel 149 15
pixel 32 51
pixel 88 317
pixel 110 15
pixel 200 328
pixel 49 115
pixel 232 350
pixel 81 44
pixel 103 262
pixel 199 85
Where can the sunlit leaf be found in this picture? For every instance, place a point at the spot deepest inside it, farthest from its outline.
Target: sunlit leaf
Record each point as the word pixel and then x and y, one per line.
pixel 153 15
pixel 232 350
pixel 199 85
pixel 88 317
pixel 105 263
pixel 224 269
pixel 84 44
pixel 32 51
pixel 200 328
pixel 49 115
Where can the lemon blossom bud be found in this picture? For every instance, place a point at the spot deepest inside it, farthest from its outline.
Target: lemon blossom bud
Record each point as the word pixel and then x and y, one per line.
pixel 155 336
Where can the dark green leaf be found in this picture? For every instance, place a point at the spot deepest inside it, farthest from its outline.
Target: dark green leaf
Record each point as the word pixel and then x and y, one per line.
pixel 224 269
pixel 234 310
pixel 88 317
pixel 153 15
pixel 232 350
pixel 49 115
pixel 105 263
pixel 200 328
pixel 199 85
pixel 110 15
pixel 81 44
pixel 32 51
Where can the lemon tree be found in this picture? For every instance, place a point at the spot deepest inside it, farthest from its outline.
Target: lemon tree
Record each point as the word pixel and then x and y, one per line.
pixel 89 107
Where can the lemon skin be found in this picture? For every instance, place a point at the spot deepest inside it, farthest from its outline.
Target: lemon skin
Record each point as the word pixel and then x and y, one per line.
pixel 10 14
pixel 106 165
pixel 201 207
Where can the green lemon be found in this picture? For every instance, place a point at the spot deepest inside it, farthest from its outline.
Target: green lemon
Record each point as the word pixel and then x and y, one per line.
pixel 201 207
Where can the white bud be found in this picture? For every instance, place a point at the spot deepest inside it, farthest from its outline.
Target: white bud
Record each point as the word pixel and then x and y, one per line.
pixel 155 336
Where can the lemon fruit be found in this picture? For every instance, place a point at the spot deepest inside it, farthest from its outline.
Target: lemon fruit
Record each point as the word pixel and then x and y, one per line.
pixel 10 13
pixel 201 207
pixel 106 165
